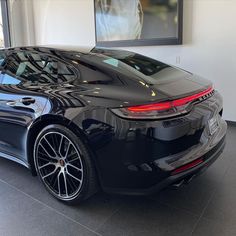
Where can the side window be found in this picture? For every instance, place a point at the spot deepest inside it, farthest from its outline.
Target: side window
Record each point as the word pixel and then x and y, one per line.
pixel 47 69
pixel 2 63
pixel 8 79
pixel 10 69
pixel 65 73
pixel 2 58
pixel 15 69
pixel 33 68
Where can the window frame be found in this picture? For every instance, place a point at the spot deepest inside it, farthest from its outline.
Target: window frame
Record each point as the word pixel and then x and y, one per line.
pixel 5 23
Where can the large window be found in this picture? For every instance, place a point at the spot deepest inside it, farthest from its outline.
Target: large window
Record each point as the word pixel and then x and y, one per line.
pixel 4 24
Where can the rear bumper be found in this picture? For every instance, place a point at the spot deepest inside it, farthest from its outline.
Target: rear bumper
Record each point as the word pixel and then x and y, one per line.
pixel 138 157
pixel 209 158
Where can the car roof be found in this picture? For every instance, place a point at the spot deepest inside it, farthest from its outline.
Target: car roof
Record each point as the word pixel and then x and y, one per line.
pixel 79 49
pixel 83 49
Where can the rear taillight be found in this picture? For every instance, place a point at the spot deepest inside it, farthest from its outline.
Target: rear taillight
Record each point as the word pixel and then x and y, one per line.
pixel 162 109
pixel 187 166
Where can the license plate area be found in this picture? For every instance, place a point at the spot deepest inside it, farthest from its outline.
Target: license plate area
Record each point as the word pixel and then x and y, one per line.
pixel 213 125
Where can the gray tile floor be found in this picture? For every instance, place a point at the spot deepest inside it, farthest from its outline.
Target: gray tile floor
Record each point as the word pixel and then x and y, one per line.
pixel 205 207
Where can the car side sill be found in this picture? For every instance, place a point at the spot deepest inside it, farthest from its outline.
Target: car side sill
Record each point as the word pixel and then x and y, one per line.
pixel 15 159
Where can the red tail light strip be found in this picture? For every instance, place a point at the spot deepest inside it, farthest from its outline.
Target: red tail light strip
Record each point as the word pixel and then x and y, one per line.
pixel 170 104
pixel 187 166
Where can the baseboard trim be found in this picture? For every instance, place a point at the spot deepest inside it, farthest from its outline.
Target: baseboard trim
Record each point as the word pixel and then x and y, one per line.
pixel 232 123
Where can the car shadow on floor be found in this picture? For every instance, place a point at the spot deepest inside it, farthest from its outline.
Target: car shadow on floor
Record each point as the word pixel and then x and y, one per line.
pixel 195 209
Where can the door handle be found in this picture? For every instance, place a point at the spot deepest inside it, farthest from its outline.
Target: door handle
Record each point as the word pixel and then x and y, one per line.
pixel 17 103
pixel 27 101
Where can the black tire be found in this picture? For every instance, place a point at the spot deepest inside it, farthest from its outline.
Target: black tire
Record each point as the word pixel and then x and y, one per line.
pixel 54 164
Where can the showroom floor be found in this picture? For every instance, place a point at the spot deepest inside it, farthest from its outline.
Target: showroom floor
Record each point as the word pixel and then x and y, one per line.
pixel 205 207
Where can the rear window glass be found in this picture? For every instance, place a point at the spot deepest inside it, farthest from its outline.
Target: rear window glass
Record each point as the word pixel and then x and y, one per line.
pixel 136 66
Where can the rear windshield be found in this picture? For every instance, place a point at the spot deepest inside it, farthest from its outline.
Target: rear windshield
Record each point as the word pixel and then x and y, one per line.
pixel 135 65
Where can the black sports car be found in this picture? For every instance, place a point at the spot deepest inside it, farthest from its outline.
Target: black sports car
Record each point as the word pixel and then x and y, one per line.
pixel 108 119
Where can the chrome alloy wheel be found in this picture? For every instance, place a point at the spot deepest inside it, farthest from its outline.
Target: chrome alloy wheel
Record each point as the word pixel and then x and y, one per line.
pixel 59 165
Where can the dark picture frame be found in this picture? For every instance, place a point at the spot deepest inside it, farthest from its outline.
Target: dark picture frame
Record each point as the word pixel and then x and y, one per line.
pixel 178 40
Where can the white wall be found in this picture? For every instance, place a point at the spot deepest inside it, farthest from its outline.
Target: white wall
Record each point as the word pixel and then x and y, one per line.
pixel 64 22
pixel 209 38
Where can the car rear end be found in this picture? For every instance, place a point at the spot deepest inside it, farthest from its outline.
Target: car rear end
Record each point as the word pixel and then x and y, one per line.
pixel 147 155
pixel 164 138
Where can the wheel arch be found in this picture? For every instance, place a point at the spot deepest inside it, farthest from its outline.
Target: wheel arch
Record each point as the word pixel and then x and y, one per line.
pixel 42 122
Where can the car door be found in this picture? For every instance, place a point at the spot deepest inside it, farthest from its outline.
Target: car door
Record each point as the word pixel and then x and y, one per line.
pixel 21 101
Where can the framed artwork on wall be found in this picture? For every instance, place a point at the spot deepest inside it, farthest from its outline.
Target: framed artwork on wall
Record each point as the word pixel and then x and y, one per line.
pixel 121 23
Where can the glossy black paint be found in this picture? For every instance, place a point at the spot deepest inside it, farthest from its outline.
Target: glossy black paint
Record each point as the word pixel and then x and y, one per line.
pixel 131 156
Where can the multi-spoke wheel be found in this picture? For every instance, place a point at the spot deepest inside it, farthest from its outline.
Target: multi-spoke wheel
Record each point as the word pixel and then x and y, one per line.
pixel 63 164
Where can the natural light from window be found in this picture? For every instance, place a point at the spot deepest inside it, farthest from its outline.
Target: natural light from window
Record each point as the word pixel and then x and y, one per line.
pixel 1 30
